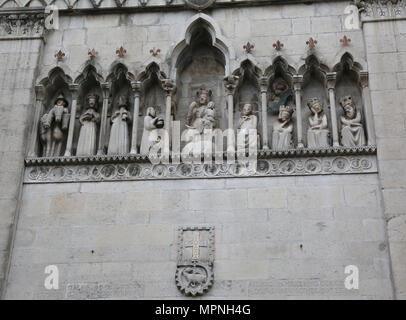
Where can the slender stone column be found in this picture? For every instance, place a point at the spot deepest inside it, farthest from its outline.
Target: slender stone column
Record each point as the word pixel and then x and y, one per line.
pixel 74 88
pixel 169 89
pixel 230 84
pixel 103 124
pixel 366 101
pixel 264 111
pixel 297 83
pixel 40 94
pixel 331 82
pixel 136 87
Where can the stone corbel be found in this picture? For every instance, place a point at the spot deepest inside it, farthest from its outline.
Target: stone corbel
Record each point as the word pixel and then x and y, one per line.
pixel 136 88
pixel 367 105
pixel 39 102
pixel 74 89
pixel 331 82
pixel 103 125
pixel 297 84
pixel 264 83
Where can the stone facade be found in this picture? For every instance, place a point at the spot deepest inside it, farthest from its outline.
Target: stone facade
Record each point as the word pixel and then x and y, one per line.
pixel 328 195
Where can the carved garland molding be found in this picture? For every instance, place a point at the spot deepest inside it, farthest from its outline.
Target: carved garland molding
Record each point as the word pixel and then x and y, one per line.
pixel 372 10
pixel 25 25
pixel 288 166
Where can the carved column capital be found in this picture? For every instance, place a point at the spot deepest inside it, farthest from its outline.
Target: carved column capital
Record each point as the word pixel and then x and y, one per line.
pixel 106 86
pixel 74 89
pixel 263 84
pixel 230 83
pixel 331 80
pixel 364 79
pixel 297 82
pixel 136 87
pixel 169 87
pixel 40 92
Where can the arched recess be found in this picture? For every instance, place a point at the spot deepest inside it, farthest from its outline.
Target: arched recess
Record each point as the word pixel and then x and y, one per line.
pixel 120 80
pixel 217 40
pixel 279 77
pixel 55 83
pixel 348 83
pixel 89 81
pixel 152 94
pixel 200 61
pixel 314 85
pixel 248 91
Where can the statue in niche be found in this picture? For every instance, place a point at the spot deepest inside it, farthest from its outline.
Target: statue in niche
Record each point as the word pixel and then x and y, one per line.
pixel 352 132
pixel 119 135
pixel 88 131
pixel 247 121
pixel 280 94
pixel 317 133
pixel 201 114
pixel 282 129
pixel 53 127
pixel 150 135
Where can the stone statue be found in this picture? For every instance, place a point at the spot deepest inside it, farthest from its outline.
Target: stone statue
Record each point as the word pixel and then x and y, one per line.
pixel 352 132
pixel 119 142
pixel 201 114
pixel 88 131
pixel 247 121
pixel 317 133
pixel 53 126
pixel 150 135
pixel 280 94
pixel 282 129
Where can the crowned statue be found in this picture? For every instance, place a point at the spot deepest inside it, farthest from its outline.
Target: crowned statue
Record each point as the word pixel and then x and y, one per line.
pixel 317 133
pixel 352 132
pixel 282 129
pixel 201 114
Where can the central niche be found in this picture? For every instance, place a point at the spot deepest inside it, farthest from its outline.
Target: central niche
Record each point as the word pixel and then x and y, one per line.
pixel 200 65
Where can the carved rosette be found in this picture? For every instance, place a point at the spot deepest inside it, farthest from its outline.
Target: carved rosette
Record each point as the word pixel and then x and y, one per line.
pixel 194 273
pixel 26 25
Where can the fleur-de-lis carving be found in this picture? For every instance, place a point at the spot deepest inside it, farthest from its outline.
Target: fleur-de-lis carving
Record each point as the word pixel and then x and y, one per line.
pixel 92 54
pixel 345 41
pixel 121 52
pixel 59 55
pixel 278 45
pixel 311 43
pixel 248 47
pixel 154 52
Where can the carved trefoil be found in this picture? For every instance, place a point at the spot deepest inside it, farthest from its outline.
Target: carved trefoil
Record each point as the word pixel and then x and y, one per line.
pixel 194 272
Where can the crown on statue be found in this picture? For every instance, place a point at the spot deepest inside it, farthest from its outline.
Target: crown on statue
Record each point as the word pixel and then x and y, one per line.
pixel 286 108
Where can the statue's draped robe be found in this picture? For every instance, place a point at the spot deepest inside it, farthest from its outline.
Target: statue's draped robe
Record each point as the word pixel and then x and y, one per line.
pixel 282 135
pixel 245 124
pixel 88 133
pixel 317 137
pixel 352 132
pixel 149 136
pixel 119 142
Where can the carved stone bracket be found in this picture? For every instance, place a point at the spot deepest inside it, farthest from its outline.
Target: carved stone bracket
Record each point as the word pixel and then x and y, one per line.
pixel 25 25
pixel 194 272
pixel 123 168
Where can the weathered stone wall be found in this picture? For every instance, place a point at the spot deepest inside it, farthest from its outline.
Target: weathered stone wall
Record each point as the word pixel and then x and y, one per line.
pixel 275 237
pixel 19 61
pixel 386 54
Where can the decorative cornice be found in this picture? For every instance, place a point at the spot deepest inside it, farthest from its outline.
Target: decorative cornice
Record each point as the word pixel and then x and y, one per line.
pixel 378 10
pixel 289 166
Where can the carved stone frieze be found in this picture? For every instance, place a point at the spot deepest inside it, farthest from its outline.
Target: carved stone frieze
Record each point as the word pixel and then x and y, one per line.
pixel 194 272
pixel 381 9
pixel 266 167
pixel 25 25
